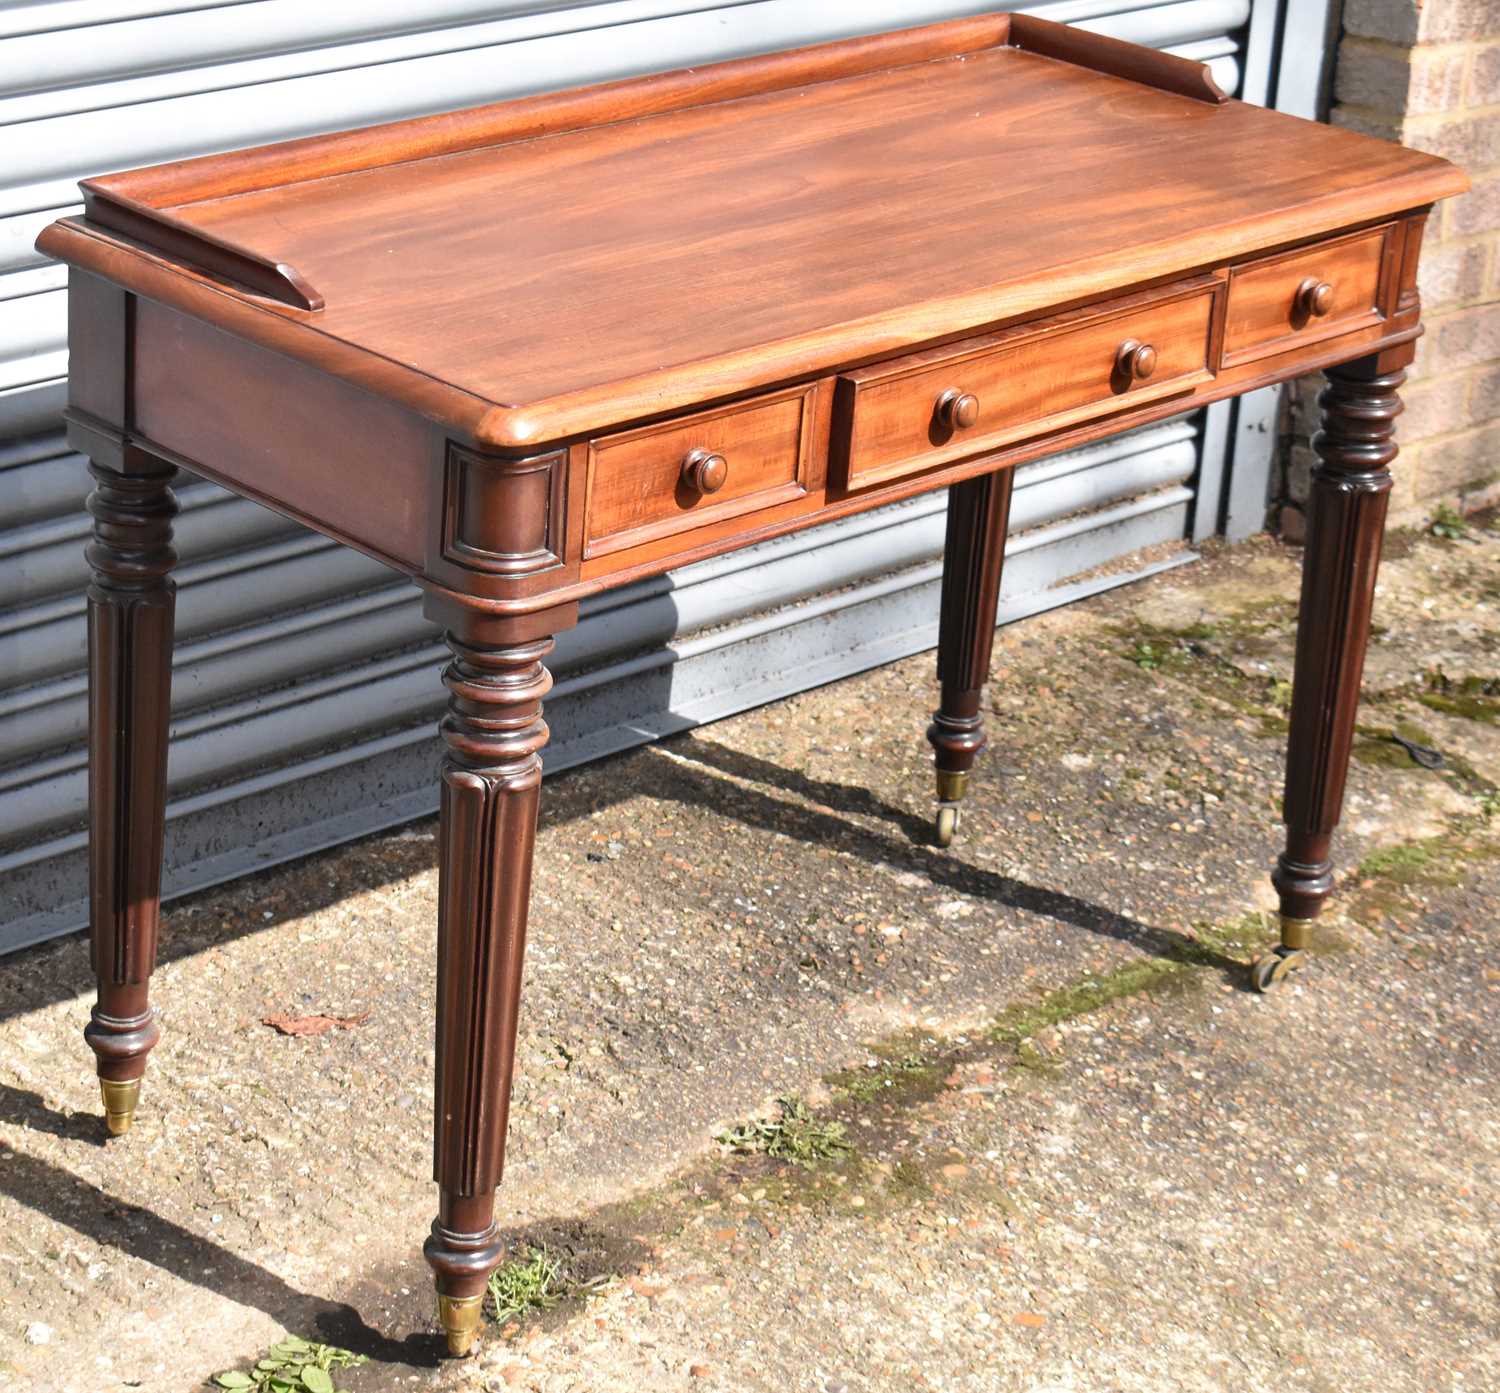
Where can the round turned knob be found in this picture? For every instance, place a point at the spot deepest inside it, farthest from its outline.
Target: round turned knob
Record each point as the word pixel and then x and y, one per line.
pixel 1135 361
pixel 958 410
pixel 1314 298
pixel 705 472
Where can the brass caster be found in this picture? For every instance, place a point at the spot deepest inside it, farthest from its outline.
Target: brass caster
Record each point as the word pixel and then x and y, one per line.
pixel 947 823
pixel 120 1101
pixel 952 784
pixel 459 1316
pixel 1270 968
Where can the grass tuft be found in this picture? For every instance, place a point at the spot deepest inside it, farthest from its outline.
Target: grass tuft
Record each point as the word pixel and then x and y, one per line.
pixel 537 1282
pixel 795 1136
pixel 1448 525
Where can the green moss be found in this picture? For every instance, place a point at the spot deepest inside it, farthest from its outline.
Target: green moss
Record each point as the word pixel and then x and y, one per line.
pixel 910 1179
pixel 1183 653
pixel 1429 862
pixel 1017 1024
pixel 1383 753
pixel 894 1074
pixel 1473 698
pixel 1236 939
pixel 1378 746
pixel 1485 709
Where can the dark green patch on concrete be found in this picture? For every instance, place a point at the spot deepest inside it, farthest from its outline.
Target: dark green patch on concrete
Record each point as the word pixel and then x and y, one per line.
pixel 1473 697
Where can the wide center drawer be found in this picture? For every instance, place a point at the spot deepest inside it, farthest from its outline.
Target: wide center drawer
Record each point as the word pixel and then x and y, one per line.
pixel 909 414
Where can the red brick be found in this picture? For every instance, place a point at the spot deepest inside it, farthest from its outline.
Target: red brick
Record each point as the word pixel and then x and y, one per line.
pixel 1462 465
pixel 1484 78
pixel 1382 125
pixel 1434 406
pixel 1468 140
pixel 1464 339
pixel 1449 21
pixel 1436 21
pixel 1449 275
pixel 1474 212
pixel 1396 20
pixel 1484 394
pixel 1391 78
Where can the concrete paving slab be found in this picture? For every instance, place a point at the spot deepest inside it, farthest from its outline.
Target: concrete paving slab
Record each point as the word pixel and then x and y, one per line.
pixel 1083 1155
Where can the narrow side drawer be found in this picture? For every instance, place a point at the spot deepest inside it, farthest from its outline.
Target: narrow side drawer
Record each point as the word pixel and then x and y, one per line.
pixel 1302 296
pixel 640 482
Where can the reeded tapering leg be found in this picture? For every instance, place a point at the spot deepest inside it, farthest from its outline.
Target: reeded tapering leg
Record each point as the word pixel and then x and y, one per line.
pixel 1346 520
pixel 491 779
pixel 131 601
pixel 978 515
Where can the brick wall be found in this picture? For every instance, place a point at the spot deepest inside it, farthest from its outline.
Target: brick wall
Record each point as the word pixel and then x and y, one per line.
pixel 1427 73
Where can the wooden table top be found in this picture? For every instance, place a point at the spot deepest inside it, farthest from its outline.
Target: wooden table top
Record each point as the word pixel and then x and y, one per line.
pixel 535 269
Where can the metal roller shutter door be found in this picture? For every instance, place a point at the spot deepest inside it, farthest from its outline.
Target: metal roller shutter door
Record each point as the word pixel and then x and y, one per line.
pixel 304 702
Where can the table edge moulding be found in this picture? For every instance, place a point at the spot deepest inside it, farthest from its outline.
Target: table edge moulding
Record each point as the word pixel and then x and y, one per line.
pixel 529 352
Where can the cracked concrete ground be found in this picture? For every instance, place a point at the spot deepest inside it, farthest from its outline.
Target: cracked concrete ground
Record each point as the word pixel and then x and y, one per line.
pixel 1084 1156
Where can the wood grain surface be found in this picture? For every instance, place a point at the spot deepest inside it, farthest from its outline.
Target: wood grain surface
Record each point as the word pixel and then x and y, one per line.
pixel 560 282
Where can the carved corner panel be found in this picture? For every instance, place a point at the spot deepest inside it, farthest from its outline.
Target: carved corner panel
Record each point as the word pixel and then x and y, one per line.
pixel 504 517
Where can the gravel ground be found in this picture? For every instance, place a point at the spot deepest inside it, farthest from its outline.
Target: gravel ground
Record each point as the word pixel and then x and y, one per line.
pixel 1082 1155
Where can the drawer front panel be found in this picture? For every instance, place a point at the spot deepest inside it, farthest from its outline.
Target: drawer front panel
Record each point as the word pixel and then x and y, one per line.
pixel 1306 295
pixel 902 417
pixel 643 484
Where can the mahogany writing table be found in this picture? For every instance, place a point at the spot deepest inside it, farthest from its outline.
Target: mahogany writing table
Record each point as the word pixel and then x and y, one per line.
pixel 528 352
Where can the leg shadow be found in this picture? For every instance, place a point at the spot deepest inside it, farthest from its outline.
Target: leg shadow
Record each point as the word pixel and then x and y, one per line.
pixel 22 1108
pixel 78 1204
pixel 840 797
pixel 683 782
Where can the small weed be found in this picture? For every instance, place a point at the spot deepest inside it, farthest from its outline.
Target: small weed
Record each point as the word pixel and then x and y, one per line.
pixel 292 1365
pixel 864 1085
pixel 536 1282
pixel 1489 804
pixel 1147 656
pixel 1448 525
pixel 795 1136
pixel 1029 1055
pixel 909 1178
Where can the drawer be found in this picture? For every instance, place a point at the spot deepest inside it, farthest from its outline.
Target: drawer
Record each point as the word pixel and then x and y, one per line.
pixel 650 483
pixel 904 416
pixel 1305 295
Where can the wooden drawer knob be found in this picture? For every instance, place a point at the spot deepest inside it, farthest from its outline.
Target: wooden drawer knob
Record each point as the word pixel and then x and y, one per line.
pixel 1314 298
pixel 705 472
pixel 957 410
pixel 1135 361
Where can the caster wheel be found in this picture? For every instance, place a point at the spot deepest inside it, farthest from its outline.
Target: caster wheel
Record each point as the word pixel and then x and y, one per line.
pixel 947 825
pixel 1268 970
